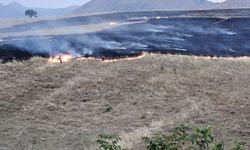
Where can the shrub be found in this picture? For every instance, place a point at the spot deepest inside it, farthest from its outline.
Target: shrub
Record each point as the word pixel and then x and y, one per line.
pixel 218 146
pixel 239 146
pixel 202 137
pixel 183 137
pixel 108 142
pixel 161 142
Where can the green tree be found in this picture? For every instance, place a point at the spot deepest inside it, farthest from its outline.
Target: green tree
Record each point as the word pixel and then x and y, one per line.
pixel 30 13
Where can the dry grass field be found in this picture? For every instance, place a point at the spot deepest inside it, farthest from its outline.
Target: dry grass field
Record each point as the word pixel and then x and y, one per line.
pixel 45 106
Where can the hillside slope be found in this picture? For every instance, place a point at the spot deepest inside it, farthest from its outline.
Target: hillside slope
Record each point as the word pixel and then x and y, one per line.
pixel 229 4
pixel 99 6
pixel 65 106
pixel 95 6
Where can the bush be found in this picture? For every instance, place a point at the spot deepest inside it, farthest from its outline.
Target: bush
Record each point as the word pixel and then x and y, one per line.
pixel 239 146
pixel 218 146
pixel 108 142
pixel 201 137
pixel 183 137
pixel 161 142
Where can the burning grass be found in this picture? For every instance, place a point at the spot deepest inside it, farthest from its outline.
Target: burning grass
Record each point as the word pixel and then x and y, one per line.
pixel 64 58
pixel 45 106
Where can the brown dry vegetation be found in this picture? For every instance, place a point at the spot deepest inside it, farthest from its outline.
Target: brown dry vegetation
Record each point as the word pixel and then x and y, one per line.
pixel 46 106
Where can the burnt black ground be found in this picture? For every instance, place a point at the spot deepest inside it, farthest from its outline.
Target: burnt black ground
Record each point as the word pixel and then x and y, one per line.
pixel 156 32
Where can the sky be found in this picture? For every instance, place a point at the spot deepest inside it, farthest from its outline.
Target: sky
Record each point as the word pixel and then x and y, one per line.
pixel 55 3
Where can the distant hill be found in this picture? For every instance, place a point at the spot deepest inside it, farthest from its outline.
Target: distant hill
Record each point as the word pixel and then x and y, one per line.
pixel 16 10
pixel 235 4
pixel 96 6
pixel 99 6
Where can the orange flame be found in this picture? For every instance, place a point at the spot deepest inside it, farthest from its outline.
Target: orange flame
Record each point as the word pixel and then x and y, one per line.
pixel 66 58
pixel 61 58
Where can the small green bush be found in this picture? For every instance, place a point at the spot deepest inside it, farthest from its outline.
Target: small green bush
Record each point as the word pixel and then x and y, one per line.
pixel 218 146
pixel 108 142
pixel 201 137
pixel 183 137
pixel 161 142
pixel 238 146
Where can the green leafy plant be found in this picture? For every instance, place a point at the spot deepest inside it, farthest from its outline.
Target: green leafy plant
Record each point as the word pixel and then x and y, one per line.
pixel 183 137
pixel 202 137
pixel 238 146
pixel 161 142
pixel 108 142
pixel 182 132
pixel 218 146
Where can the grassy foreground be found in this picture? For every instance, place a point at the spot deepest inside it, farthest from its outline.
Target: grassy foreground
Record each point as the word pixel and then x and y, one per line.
pixel 49 106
